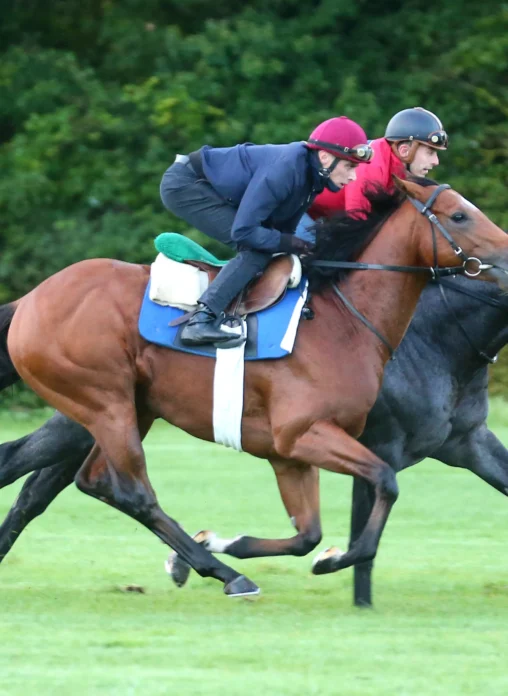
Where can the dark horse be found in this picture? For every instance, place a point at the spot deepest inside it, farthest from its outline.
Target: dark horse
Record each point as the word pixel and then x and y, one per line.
pixel 434 400
pixel 302 413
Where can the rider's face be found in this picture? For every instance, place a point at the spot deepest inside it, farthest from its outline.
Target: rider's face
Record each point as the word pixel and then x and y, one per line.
pixel 424 160
pixel 344 171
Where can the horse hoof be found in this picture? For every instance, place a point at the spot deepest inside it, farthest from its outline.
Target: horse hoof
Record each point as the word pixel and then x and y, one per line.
pixel 178 569
pixel 326 561
pixel 241 587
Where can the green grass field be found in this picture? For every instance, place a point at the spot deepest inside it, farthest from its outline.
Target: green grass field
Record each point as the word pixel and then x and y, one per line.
pixel 440 623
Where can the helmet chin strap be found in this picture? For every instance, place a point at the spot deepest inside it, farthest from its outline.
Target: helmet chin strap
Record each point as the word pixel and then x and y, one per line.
pixel 325 172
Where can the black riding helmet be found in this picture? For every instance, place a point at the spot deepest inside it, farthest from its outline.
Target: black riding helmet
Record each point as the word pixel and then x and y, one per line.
pixel 416 126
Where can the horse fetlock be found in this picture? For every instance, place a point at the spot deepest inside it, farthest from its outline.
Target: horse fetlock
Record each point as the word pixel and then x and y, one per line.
pixel 234 547
pixel 210 567
pixel 177 568
pixel 362 555
pixel 307 542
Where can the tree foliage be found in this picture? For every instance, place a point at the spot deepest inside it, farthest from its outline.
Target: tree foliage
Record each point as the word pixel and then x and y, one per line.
pixel 97 97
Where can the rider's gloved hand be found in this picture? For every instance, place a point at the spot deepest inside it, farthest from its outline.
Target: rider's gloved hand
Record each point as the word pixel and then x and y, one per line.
pixel 289 244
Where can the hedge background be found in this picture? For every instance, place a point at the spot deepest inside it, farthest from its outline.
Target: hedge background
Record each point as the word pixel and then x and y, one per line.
pixel 97 96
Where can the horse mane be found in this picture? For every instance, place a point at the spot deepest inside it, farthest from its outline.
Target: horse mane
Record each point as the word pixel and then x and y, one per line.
pixel 343 238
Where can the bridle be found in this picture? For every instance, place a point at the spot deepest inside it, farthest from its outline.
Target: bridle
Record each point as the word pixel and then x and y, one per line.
pixel 426 209
pixel 436 272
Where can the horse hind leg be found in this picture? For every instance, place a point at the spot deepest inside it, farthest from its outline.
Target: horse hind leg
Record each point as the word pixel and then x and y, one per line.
pixel 38 491
pixel 55 451
pixel 299 489
pixel 60 442
pixel 115 472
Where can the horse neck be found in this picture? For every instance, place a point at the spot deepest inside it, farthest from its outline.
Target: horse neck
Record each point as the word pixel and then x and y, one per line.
pixel 485 325
pixel 388 299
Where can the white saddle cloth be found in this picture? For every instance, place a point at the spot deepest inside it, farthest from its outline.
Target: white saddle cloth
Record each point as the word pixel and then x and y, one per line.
pixel 176 284
pixel 181 285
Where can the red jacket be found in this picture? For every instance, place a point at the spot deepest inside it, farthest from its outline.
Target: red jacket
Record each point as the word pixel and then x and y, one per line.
pixel 350 197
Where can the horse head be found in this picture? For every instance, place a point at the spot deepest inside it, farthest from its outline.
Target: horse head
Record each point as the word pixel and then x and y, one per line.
pixel 460 234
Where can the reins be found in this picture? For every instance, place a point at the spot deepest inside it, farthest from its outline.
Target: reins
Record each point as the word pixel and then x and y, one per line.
pixel 485 299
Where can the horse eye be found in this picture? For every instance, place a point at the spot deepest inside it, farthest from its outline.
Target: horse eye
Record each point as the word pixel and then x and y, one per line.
pixel 458 217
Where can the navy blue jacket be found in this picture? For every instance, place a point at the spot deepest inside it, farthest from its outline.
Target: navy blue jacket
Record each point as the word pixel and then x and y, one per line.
pixel 271 185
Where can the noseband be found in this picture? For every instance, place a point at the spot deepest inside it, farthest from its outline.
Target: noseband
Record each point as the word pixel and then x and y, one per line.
pixel 435 271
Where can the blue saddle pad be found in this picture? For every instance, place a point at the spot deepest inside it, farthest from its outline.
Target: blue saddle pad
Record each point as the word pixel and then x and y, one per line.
pixel 265 329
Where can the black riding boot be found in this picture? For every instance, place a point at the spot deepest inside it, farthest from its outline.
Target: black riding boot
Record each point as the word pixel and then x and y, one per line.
pixel 203 327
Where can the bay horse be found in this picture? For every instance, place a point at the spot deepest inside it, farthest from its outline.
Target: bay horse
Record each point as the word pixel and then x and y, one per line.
pixel 74 340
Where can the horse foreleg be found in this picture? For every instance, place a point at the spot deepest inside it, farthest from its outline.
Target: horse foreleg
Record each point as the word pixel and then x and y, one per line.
pixel 362 504
pixel 327 446
pixel 38 491
pixel 115 472
pixel 482 453
pixel 299 489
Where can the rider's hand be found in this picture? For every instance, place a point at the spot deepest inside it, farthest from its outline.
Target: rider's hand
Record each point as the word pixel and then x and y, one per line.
pixel 289 244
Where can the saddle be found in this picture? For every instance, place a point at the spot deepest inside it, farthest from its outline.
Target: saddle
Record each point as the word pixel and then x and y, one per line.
pixel 183 270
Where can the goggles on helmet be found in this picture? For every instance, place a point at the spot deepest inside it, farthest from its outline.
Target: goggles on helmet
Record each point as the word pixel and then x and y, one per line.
pixel 438 139
pixel 360 153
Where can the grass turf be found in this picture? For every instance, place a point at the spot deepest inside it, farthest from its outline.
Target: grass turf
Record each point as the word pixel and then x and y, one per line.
pixel 440 623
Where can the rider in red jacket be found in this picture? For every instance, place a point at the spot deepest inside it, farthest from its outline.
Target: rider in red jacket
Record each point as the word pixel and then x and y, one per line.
pixel 409 145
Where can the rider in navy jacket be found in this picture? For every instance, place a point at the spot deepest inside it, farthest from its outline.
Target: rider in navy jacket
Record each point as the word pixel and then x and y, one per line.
pixel 251 197
pixel 270 185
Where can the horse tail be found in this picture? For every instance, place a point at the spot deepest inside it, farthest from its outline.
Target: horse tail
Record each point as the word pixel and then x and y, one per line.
pixel 8 374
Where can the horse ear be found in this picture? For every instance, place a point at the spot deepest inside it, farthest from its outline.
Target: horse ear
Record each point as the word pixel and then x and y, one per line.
pixel 409 188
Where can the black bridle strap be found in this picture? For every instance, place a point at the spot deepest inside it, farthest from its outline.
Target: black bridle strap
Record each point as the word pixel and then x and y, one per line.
pixel 433 197
pixel 485 299
pixel 425 209
pixel 482 355
pixel 360 266
pixel 492 301
pixel 363 319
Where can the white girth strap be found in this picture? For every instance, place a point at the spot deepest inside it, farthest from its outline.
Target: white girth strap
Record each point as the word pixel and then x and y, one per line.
pixel 228 384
